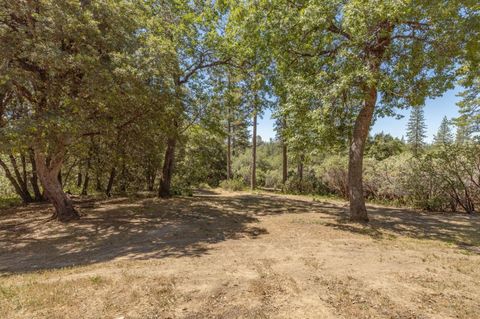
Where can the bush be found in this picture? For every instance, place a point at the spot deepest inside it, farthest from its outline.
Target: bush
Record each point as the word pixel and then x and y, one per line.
pixel 310 184
pixel 333 175
pixel 273 179
pixel 232 184
pixel 451 177
pixel 182 191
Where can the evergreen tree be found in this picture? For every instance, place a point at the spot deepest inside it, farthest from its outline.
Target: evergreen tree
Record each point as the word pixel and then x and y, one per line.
pixel 444 134
pixel 469 106
pixel 462 134
pixel 416 130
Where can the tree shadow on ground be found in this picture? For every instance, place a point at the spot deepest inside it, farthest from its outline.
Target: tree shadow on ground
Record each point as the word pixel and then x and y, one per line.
pixel 116 228
pixel 461 230
pixel 178 227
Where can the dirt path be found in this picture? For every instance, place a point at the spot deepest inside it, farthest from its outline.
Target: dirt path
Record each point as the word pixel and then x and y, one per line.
pixel 238 255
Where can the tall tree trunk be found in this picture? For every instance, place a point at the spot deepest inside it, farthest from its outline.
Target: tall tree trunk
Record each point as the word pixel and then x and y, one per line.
pixel 358 210
pixel 87 170
pixel 284 152
pixel 98 182
pixel 34 179
pixel 123 178
pixel 375 54
pixel 300 169
pixel 300 172
pixel 48 175
pixel 284 163
pixel 229 150
pixel 111 179
pixel 253 179
pixel 150 175
pixel 60 178
pixel 67 175
pixel 79 177
pixel 85 184
pixel 23 160
pixel 167 170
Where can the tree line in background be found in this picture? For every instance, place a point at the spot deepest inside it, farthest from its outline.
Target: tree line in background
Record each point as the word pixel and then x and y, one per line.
pixel 441 176
pixel 116 97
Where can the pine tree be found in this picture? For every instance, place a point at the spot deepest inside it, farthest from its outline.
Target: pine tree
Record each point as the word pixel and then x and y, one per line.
pixel 462 134
pixel 416 130
pixel 469 106
pixel 444 134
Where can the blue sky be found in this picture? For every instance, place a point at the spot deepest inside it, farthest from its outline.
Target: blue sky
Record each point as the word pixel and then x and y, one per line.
pixel 435 110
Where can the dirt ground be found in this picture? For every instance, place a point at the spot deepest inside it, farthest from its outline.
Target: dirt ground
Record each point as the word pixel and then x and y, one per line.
pixel 237 255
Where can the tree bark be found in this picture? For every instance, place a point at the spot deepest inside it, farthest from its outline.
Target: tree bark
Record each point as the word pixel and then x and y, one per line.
pixel 79 177
pixel 374 57
pixel 23 160
pixel 108 190
pixel 87 170
pixel 48 175
pixel 167 170
pixel 60 178
pixel 358 210
pixel 85 184
pixel 229 150
pixel 122 187
pixel 284 162
pixel 300 169
pixel 253 179
pixel 34 179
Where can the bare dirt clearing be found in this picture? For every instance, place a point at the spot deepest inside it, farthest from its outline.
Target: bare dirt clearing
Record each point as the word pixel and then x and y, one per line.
pixel 237 255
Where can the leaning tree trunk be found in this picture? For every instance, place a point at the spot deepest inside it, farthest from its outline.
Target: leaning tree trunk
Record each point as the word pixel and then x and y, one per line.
pixel 358 210
pixel 375 53
pixel 34 179
pixel 111 179
pixel 253 180
pixel 18 189
pixel 22 181
pixel 167 170
pixel 48 175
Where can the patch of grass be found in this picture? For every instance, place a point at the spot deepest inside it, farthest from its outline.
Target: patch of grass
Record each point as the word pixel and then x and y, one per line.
pixel 96 280
pixel 7 292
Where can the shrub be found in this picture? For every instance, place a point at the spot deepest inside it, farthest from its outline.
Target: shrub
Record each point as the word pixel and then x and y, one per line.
pixel 232 184
pixel 333 175
pixel 273 179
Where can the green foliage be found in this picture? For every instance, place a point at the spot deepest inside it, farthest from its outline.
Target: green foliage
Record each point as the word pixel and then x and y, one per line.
pixel 6 189
pixel 416 130
pixel 8 202
pixel 383 146
pixel 309 184
pixel 202 159
pixel 444 134
pixel 232 184
pixel 101 87
pixel 332 173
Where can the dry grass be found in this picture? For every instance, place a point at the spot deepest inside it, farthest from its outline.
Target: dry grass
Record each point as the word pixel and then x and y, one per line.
pixel 237 255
